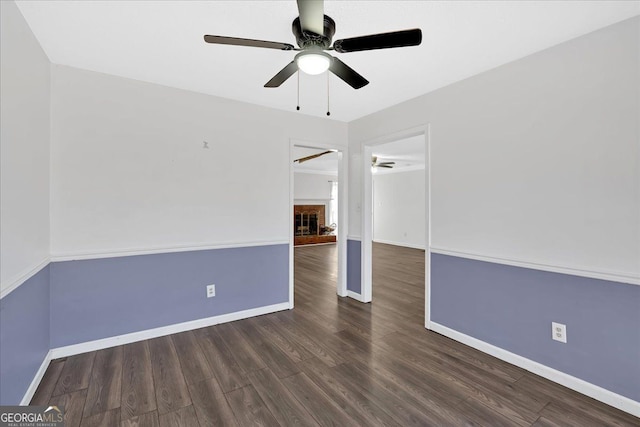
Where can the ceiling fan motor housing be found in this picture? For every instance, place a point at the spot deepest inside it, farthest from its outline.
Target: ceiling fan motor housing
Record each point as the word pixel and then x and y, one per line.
pixel 307 39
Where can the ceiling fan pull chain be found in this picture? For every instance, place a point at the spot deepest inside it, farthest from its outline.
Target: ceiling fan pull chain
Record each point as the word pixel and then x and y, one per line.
pixel 298 105
pixel 328 113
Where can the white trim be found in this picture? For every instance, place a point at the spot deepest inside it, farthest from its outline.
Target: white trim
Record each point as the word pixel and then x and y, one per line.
pixel 354 238
pixel 36 380
pixel 26 274
pixel 427 238
pixel 343 212
pixel 356 296
pixel 366 148
pixel 312 201
pixel 72 256
pixel 403 244
pixel 594 274
pixel 603 395
pixel 100 344
pixel 343 220
pixel 291 225
pixel 315 171
pixel 366 247
pixel 386 171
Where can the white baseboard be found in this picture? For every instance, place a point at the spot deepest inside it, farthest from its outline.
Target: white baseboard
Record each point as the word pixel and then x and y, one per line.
pixel 100 344
pixel 403 244
pixel 36 380
pixel 355 296
pixel 603 395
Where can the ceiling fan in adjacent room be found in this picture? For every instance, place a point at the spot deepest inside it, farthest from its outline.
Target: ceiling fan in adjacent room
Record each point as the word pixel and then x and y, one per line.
pixel 376 164
pixel 313 31
pixel 313 156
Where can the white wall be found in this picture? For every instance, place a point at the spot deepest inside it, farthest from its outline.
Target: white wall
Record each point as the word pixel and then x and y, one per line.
pixel 130 171
pixel 311 186
pixel 24 149
pixel 536 160
pixel 312 189
pixel 398 208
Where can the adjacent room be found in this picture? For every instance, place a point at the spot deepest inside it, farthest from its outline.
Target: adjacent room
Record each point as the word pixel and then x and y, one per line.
pixel 399 223
pixel 320 212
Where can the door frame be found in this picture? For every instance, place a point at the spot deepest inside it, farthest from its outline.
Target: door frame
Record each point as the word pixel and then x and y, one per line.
pixel 367 147
pixel 343 219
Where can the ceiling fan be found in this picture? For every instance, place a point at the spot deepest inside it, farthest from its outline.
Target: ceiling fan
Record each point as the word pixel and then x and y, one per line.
pixel 376 164
pixel 313 31
pixel 313 156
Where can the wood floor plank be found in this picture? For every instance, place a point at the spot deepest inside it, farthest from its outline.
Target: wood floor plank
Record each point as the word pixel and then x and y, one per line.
pixel 73 404
pixel 170 387
pixel 405 411
pixel 150 419
pixel 106 378
pixel 75 374
pixel 482 414
pixel 48 383
pixel 183 417
pixel 249 408
pixel 243 352
pixel 435 409
pixel 282 404
pixel 321 343
pixel 325 411
pixel 138 395
pixel 273 357
pixel 545 422
pixel 104 419
pixel 195 366
pixel 229 374
pixel 286 342
pixel 210 404
pixel 359 407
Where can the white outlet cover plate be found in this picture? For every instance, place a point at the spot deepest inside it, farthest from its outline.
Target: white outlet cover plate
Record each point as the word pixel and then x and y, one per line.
pixel 211 291
pixel 559 332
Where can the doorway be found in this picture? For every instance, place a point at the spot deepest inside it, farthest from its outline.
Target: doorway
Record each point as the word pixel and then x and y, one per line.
pixel 401 221
pixel 318 210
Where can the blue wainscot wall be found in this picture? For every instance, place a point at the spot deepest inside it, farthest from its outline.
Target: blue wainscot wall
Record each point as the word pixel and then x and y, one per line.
pixel 24 336
pixel 75 302
pixel 354 268
pixel 513 307
pixel 100 298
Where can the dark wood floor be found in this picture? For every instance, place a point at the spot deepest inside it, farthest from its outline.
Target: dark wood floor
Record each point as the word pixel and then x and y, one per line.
pixel 330 361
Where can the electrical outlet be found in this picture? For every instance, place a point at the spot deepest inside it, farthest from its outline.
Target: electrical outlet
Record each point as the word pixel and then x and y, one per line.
pixel 559 332
pixel 211 291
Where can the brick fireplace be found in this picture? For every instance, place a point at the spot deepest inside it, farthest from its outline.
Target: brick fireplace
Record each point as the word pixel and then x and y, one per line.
pixel 309 225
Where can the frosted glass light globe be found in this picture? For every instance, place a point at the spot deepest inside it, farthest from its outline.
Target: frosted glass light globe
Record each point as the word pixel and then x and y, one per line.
pixel 313 62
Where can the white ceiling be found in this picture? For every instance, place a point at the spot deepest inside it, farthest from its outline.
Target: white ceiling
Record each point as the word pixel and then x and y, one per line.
pixel 161 42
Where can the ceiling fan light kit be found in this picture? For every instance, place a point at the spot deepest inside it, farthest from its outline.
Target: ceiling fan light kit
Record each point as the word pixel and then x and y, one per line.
pixel 313 62
pixel 314 32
